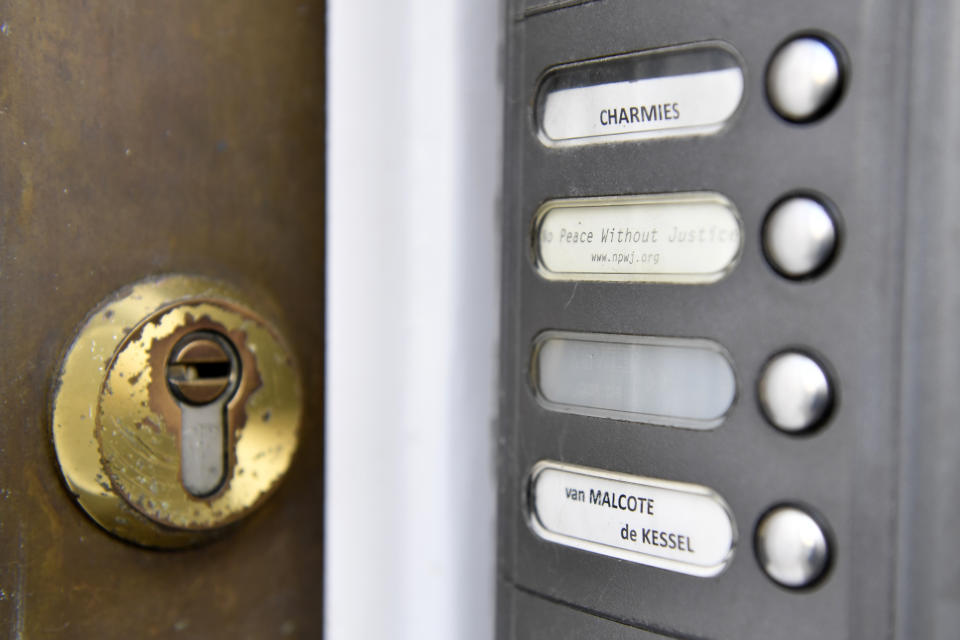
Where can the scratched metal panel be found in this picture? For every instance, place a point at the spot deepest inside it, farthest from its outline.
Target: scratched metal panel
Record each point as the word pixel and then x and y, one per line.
pixel 849 470
pixel 532 7
pixel 138 139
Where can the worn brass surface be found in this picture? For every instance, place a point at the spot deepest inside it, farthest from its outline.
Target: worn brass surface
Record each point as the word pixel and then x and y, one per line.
pixel 140 139
pixel 116 424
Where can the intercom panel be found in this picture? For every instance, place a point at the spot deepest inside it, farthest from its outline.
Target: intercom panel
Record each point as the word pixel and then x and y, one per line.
pixel 726 350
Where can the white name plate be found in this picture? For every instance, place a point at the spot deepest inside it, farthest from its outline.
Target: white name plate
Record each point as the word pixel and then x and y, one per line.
pixel 690 90
pixel 677 526
pixel 682 238
pixel 678 382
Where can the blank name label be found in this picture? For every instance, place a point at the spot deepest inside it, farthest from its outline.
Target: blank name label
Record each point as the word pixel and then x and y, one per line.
pixel 680 382
pixel 676 526
pixel 683 238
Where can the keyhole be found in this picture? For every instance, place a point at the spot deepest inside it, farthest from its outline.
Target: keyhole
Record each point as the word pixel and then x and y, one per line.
pixel 203 373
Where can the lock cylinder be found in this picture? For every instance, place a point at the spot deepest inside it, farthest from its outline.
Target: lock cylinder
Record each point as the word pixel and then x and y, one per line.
pixel 203 373
pixel 177 411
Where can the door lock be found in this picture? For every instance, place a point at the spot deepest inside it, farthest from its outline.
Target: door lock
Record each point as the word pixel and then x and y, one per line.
pixel 177 412
pixel 203 374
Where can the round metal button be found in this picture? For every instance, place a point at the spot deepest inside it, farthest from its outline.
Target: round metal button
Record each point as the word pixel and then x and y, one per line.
pixel 804 79
pixel 794 392
pixel 791 547
pixel 799 237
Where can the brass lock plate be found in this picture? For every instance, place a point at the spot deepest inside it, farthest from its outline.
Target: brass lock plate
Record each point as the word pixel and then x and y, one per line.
pixel 177 411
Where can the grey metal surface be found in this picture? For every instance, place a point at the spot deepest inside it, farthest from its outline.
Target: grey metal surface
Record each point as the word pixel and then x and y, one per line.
pixel 848 470
pixel 203 448
pixel 545 619
pixel 928 566
pixel 533 7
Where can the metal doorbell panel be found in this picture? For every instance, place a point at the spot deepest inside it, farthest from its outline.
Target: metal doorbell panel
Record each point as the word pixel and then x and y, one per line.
pixel 719 224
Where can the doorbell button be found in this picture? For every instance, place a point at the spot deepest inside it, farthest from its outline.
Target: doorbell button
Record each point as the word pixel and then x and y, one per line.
pixel 799 237
pixel 804 79
pixel 791 547
pixel 794 392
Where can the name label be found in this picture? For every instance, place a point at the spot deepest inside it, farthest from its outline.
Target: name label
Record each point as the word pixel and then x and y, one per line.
pixel 684 238
pixel 677 526
pixel 681 91
pixel 677 382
